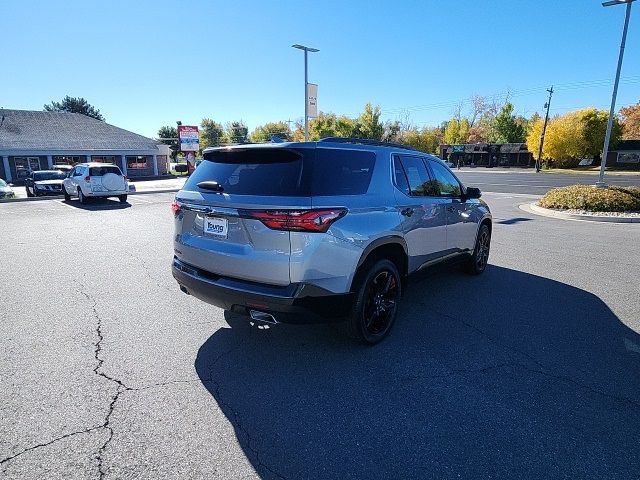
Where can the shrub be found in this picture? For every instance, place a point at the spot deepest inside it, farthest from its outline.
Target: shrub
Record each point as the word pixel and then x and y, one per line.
pixel 592 199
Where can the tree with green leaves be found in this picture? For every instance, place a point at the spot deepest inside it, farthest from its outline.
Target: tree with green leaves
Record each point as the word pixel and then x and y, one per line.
pixel 169 136
pixel 331 125
pixel 508 127
pixel 236 132
pixel 263 133
pixel 426 140
pixel 74 105
pixel 211 133
pixel 368 124
pixel 456 131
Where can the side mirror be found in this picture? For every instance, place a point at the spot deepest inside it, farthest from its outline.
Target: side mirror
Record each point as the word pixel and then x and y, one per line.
pixel 11 184
pixel 182 168
pixel 473 192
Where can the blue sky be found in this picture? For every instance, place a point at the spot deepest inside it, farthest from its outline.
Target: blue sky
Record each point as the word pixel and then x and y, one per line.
pixel 145 64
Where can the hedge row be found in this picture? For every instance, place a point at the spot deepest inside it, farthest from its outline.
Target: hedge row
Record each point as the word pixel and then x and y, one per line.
pixel 592 199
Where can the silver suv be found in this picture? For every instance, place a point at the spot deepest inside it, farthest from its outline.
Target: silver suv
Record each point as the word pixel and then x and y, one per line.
pixel 320 231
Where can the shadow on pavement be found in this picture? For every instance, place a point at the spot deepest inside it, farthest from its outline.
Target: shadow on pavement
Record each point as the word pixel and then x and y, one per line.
pixel 98 204
pixel 513 221
pixel 507 375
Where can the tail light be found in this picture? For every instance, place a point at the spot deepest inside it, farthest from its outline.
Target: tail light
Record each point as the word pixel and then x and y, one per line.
pixel 87 179
pixel 175 208
pixel 299 220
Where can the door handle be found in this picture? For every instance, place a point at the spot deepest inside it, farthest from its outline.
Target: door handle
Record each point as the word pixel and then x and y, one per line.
pixel 407 212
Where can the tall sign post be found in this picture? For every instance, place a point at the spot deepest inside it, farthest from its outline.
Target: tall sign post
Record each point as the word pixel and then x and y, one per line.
pixel 607 136
pixel 306 88
pixel 189 144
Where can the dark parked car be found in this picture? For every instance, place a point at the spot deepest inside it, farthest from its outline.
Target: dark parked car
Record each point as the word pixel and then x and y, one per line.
pixel 45 182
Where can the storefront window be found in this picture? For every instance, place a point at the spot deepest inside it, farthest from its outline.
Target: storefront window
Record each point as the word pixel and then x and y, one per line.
pixel 103 158
pixel 138 162
pixel 26 165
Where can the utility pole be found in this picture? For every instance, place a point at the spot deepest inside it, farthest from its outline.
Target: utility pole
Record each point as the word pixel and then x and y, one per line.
pixel 544 129
pixel 607 137
pixel 306 86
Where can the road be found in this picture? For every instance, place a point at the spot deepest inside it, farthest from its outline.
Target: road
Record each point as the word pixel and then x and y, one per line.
pixel 529 182
pixel 109 371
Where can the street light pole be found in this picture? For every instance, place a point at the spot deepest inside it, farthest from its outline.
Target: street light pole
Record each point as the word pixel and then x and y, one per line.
pixel 607 137
pixel 306 83
pixel 544 129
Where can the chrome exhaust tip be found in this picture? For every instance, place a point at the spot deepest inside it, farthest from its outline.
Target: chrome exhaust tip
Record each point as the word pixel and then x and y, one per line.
pixel 262 317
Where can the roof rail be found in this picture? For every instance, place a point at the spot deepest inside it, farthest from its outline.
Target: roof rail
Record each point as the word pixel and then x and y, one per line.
pixel 365 141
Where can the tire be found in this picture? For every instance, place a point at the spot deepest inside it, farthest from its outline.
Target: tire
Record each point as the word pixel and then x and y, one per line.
pixel 376 304
pixel 477 263
pixel 122 198
pixel 29 194
pixel 81 197
pixel 67 197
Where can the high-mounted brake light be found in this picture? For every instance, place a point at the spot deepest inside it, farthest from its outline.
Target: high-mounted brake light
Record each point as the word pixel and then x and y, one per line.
pixel 175 208
pixel 299 220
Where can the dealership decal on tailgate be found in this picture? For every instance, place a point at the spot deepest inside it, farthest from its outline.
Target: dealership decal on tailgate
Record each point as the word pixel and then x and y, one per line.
pixel 215 226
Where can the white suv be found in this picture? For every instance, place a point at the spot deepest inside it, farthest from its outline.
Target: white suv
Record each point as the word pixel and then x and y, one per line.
pixel 88 180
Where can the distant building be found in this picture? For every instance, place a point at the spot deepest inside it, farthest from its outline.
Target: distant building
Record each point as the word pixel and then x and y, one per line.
pixel 488 154
pixel 625 155
pixel 35 140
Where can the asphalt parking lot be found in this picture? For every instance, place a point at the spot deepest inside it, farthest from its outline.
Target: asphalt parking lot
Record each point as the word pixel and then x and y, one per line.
pixel 109 371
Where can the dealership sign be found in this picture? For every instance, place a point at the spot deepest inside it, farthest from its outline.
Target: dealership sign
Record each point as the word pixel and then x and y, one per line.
pixel 188 136
pixel 312 100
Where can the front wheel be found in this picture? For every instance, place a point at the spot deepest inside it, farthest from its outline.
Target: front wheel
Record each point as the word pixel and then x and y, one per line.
pixel 376 304
pixel 29 194
pixel 67 197
pixel 477 263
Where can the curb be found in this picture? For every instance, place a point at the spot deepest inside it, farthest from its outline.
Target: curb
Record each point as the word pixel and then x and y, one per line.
pixel 58 197
pixel 546 212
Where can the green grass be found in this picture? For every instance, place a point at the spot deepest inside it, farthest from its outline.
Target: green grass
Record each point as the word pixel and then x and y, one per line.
pixel 592 199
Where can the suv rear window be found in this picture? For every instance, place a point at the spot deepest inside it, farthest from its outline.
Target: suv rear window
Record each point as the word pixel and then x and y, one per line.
pixel 264 171
pixel 100 171
pixel 287 172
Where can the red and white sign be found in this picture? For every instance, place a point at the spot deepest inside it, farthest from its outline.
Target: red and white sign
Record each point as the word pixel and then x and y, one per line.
pixel 188 136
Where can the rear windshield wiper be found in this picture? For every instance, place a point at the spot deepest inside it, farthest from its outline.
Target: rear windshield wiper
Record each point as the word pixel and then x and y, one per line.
pixel 211 185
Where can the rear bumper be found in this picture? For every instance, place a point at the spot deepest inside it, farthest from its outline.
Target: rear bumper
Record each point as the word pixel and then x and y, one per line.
pixel 115 193
pixel 293 303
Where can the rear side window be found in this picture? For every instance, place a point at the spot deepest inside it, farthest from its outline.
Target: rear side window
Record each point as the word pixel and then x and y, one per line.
pixel 101 171
pixel 341 172
pixel 267 171
pixel 446 184
pixel 420 183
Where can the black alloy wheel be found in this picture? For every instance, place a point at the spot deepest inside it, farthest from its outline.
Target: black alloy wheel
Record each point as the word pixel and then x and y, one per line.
pixel 376 304
pixel 477 263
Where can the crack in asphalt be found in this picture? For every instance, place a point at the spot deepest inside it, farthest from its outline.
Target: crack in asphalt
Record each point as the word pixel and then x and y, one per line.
pixel 50 442
pixel 121 387
pixel 543 369
pixel 237 419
